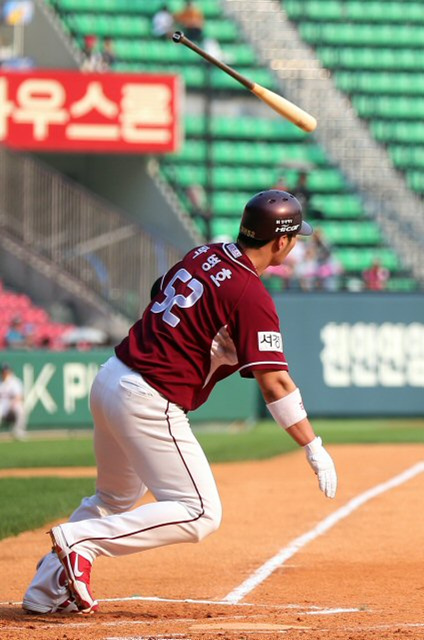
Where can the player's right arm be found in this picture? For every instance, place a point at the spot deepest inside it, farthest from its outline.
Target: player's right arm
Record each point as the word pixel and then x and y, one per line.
pixel 284 402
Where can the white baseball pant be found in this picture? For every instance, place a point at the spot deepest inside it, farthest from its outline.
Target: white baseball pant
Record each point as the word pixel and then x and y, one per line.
pixel 141 442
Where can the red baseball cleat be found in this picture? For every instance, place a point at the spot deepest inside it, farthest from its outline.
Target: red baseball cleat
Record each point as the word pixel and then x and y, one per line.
pixel 77 569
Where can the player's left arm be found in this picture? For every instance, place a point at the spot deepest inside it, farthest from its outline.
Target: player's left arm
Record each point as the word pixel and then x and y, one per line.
pixel 284 402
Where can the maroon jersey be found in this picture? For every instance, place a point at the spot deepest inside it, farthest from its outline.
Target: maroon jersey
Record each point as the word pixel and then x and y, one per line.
pixel 212 317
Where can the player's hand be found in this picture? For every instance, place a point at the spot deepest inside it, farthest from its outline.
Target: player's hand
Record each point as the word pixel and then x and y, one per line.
pixel 323 465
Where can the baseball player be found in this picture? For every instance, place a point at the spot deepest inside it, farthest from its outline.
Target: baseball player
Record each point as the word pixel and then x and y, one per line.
pixel 211 317
pixel 12 411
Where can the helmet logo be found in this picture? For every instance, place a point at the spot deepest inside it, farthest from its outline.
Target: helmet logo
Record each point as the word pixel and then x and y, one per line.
pixel 287 228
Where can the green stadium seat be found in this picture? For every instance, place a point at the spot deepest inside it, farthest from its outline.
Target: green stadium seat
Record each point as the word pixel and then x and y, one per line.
pixel 113 6
pixel 227 203
pixel 223 31
pixel 225 227
pixel 356 260
pixel 105 25
pixel 397 12
pixel 370 35
pixel 391 107
pixel 405 156
pixel 191 151
pixel 415 180
pixel 371 82
pixel 238 55
pixel 318 10
pixel 326 180
pixel 274 284
pixel 338 205
pixel 402 285
pixel 263 153
pixel 185 175
pixel 351 233
pixel 398 131
pixel 366 58
pixel 242 178
pixel 209 7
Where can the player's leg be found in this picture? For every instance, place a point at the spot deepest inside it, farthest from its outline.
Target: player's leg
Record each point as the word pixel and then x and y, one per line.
pixel 157 439
pixel 118 485
pixel 19 423
pixel 48 592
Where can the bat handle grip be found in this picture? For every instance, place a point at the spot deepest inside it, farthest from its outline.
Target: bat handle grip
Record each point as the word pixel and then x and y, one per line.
pixel 179 37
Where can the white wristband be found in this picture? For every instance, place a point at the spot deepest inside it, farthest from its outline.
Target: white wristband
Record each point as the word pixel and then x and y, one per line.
pixel 288 410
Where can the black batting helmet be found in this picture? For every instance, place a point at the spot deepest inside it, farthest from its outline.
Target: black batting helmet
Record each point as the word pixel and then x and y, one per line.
pixel 273 213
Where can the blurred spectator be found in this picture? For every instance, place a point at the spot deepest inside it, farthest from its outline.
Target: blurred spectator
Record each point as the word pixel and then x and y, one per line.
pixel 329 274
pixel 328 267
pixel 321 245
pixel 92 57
pixel 302 192
pixel 306 270
pixel 163 23
pixel 200 209
pixel 108 53
pixel 45 343
pixel 282 184
pixel 289 270
pixel 283 271
pixel 197 197
pixel 310 265
pixel 212 46
pixel 376 277
pixel 191 20
pixel 17 336
pixel 12 411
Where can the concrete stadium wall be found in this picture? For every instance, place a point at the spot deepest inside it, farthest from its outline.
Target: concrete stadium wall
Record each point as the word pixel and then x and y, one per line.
pixel 356 354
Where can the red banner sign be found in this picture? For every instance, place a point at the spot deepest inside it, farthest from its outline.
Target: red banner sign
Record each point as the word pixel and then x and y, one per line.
pixel 74 111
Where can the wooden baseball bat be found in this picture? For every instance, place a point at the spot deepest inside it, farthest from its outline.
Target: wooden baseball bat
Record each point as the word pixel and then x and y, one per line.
pixel 284 107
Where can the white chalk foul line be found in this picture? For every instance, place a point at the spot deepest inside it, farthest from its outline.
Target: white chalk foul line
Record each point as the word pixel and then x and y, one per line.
pixel 261 574
pixel 191 601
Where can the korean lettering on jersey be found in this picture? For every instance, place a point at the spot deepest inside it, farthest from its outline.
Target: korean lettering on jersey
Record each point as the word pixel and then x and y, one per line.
pixel 74 111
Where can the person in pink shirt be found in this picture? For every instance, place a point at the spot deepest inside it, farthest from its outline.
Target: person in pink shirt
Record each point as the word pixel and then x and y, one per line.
pixel 376 277
pixel 210 316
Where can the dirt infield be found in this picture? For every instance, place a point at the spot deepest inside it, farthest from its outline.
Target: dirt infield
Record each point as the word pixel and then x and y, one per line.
pixel 286 563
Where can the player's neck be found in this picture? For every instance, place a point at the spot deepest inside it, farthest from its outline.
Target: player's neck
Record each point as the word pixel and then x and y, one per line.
pixel 259 258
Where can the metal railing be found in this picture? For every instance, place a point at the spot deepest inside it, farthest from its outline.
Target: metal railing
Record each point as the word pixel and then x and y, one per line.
pixel 80 233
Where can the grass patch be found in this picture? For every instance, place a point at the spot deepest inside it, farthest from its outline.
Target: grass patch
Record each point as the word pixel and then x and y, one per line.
pixel 70 452
pixel 400 430
pixel 265 440
pixel 29 503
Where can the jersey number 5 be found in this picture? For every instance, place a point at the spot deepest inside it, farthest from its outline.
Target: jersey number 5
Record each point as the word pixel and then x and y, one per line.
pixel 174 298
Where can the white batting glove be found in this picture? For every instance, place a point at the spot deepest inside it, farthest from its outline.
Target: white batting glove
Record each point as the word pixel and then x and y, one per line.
pixel 323 465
